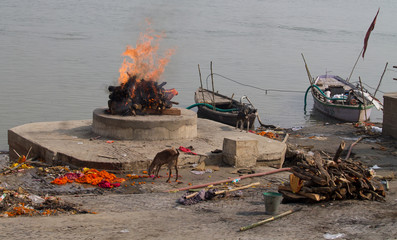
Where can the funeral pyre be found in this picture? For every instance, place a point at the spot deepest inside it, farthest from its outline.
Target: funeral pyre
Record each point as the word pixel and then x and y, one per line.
pixel 317 179
pixel 139 97
pixel 139 90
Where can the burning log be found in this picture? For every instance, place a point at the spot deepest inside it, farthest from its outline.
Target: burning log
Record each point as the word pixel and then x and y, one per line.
pixel 139 97
pixel 331 180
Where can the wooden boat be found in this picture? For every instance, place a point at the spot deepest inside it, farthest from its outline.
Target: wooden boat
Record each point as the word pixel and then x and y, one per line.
pixel 342 100
pixel 226 108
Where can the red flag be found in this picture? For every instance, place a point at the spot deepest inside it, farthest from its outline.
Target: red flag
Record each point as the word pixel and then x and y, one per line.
pixel 369 32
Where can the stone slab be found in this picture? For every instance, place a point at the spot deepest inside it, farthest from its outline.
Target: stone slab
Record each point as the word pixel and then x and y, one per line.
pixel 73 143
pixel 389 127
pixel 241 151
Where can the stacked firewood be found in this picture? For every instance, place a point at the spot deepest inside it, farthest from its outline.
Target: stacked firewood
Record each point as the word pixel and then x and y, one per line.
pixel 317 179
pixel 139 97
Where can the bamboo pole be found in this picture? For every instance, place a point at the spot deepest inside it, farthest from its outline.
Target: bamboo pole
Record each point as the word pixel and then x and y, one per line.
pixel 269 219
pixel 201 83
pixel 359 55
pixel 229 180
pixel 213 88
pixel 238 188
pixel 365 105
pixel 381 79
pixel 307 70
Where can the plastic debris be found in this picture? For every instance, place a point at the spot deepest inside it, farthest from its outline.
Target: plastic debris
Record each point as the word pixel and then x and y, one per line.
pixel 376 129
pixel 296 128
pixel 375 167
pixel 333 236
pixel 2 197
pixel 36 199
pixel 236 180
pixel 197 172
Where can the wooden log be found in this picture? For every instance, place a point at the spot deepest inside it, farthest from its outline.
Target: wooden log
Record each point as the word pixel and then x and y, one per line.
pixel 301 176
pixel 343 192
pixel 363 195
pixel 319 163
pixel 338 195
pixel 309 167
pixel 339 151
pixel 329 164
pixel 323 189
pixel 307 175
pixel 314 196
pixel 291 195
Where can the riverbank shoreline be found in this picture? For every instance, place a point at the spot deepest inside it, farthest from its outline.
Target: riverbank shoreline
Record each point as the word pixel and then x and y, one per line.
pixel 146 211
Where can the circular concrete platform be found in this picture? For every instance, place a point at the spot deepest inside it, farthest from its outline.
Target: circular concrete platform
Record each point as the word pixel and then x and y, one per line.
pixel 148 127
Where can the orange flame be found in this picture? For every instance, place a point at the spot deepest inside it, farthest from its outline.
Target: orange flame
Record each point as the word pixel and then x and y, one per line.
pixel 143 60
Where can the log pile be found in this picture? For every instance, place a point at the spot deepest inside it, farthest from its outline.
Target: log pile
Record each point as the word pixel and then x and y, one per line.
pixel 140 97
pixel 316 179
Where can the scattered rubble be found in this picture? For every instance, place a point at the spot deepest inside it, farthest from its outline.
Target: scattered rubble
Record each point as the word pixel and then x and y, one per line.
pixel 21 203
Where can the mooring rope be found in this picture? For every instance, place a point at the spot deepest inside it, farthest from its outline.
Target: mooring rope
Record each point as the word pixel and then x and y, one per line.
pixel 269 90
pixel 251 86
pixel 370 87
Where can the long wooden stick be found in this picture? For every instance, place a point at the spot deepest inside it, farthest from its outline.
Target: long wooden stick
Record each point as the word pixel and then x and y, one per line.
pixel 15 151
pixel 238 188
pixel 359 55
pixel 213 89
pixel 230 180
pixel 351 147
pixel 269 219
pixel 381 79
pixel 30 149
pixel 307 70
pixel 365 105
pixel 201 83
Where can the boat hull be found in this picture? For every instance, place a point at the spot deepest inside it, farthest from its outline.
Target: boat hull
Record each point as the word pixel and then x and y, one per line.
pixel 229 118
pixel 343 113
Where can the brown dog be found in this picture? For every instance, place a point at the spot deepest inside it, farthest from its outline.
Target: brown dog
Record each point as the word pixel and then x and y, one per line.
pixel 167 156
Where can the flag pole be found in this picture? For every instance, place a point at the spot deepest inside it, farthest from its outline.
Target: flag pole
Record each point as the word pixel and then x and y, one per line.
pixel 359 55
pixel 371 27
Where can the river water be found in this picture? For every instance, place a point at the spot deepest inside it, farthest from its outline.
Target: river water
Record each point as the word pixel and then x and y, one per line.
pixel 58 57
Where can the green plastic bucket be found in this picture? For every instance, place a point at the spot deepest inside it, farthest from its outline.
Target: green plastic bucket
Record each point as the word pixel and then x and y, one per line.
pixel 272 201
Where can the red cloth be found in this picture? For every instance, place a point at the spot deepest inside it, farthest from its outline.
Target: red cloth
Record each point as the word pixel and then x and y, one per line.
pixel 369 32
pixel 186 150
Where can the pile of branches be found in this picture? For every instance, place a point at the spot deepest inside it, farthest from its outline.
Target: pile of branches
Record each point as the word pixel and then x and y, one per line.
pixel 316 179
